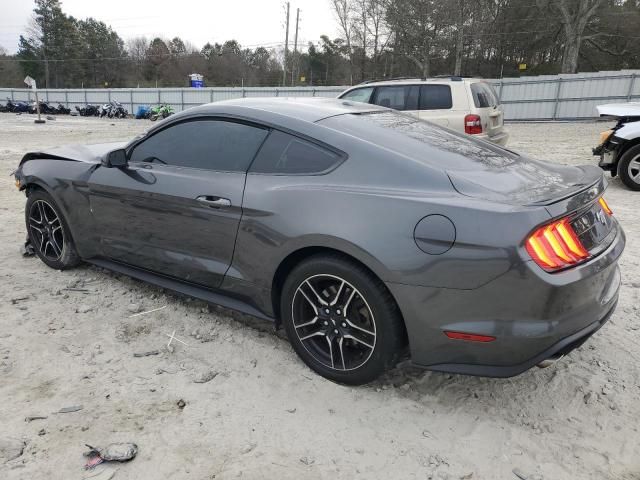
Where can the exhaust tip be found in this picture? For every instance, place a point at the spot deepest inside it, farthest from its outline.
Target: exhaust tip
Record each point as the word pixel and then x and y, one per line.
pixel 549 361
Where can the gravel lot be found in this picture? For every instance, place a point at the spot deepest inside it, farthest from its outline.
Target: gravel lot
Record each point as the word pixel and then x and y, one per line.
pixel 68 339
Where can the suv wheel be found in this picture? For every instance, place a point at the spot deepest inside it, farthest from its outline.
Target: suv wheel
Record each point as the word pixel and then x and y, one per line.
pixel 48 232
pixel 341 320
pixel 629 168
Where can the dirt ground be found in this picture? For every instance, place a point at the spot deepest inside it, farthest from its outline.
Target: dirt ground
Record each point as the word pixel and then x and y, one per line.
pixel 252 409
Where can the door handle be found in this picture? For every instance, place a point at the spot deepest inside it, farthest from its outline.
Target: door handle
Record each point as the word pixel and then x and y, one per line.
pixel 213 201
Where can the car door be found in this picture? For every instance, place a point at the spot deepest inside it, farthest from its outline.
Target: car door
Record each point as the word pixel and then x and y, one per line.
pixel 398 97
pixel 436 105
pixel 175 208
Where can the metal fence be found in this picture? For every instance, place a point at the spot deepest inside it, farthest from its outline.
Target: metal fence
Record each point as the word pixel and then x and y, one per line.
pixel 565 97
pixel 178 98
pixel 547 97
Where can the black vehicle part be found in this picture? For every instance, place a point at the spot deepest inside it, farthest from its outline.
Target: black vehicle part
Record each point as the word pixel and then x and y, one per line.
pixel 48 232
pixel 629 168
pixel 341 320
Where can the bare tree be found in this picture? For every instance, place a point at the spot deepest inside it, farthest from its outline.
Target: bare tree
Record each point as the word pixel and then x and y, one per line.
pixel 344 12
pixel 575 16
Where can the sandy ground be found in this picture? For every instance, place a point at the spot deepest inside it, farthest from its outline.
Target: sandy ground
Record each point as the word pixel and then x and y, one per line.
pixel 68 339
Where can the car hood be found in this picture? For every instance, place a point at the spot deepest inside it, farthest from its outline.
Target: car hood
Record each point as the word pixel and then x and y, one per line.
pixel 619 110
pixel 78 153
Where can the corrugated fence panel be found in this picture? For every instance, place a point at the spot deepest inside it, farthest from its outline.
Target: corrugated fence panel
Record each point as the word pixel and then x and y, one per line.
pixel 546 97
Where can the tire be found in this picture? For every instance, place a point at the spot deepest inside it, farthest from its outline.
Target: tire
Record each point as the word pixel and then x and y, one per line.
pixel 364 333
pixel 629 168
pixel 49 236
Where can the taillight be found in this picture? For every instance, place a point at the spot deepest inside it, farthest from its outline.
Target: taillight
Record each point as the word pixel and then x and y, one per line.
pixel 556 246
pixel 472 124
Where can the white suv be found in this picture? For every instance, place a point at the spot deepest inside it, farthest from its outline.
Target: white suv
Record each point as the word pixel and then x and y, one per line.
pixel 468 105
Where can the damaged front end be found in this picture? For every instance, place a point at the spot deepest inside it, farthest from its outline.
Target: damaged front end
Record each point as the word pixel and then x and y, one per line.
pixel 609 151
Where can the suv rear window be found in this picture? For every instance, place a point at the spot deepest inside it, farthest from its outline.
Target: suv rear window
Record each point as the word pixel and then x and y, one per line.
pixel 435 97
pixel 284 154
pixel 483 95
pixel 402 97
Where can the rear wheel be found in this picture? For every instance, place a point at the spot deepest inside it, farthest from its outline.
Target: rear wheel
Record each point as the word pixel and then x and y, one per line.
pixel 48 232
pixel 629 168
pixel 341 320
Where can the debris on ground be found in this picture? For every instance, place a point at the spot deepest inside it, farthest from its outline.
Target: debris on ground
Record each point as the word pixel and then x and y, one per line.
pixel 135 306
pixel 74 408
pixel 181 404
pixel 35 417
pixel 26 250
pixel 146 354
pixel 115 452
pixel 18 299
pixel 206 377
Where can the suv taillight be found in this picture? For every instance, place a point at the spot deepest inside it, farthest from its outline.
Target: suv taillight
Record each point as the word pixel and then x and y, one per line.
pixel 555 246
pixel 472 124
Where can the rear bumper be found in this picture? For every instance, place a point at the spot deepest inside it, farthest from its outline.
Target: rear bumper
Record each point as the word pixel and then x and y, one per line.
pixel 499 139
pixel 533 315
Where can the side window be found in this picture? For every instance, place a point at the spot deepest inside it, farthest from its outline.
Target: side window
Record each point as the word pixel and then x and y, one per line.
pixel 207 144
pixel 402 97
pixel 284 154
pixel 435 97
pixel 359 95
pixel 484 95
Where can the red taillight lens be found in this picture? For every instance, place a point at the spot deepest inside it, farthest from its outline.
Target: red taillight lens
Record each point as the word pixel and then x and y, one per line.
pixel 472 124
pixel 556 246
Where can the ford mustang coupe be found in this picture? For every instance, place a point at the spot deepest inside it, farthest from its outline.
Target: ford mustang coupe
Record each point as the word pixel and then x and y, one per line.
pixel 367 233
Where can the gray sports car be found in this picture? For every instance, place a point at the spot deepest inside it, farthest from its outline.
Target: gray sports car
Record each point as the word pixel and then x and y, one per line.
pixel 368 234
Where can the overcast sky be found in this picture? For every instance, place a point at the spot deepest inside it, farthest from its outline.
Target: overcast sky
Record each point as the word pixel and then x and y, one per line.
pixel 251 22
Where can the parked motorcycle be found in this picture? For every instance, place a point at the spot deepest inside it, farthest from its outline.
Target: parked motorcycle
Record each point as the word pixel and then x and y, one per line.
pixel 88 111
pixel 45 108
pixel 62 110
pixel 113 109
pixel 17 106
pixel 161 111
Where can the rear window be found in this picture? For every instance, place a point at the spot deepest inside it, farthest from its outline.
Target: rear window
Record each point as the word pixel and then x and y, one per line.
pixel 483 95
pixel 284 154
pixel 402 97
pixel 359 95
pixel 435 97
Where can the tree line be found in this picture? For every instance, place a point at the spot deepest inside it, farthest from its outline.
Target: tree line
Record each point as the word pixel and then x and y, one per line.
pixel 377 39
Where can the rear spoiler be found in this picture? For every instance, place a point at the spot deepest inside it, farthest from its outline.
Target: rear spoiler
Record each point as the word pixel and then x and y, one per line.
pixel 577 199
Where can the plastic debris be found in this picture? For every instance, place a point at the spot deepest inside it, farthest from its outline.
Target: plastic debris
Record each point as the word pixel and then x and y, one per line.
pixel 115 452
pixel 27 249
pixel 74 408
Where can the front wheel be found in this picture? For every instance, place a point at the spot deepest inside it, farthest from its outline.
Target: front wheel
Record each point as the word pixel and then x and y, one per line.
pixel 341 320
pixel 49 233
pixel 629 168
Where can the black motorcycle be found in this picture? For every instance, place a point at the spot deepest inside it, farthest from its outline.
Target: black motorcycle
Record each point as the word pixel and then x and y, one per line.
pixel 62 110
pixel 88 111
pixel 17 106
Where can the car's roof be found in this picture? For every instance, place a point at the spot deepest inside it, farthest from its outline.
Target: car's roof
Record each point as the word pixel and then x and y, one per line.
pixel 310 109
pixel 414 81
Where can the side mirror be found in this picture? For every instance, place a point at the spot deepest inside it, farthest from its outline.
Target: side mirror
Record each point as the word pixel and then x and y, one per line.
pixel 115 159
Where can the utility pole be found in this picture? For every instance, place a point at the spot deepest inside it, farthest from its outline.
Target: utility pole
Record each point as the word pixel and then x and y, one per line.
pixel 286 51
pixel 294 66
